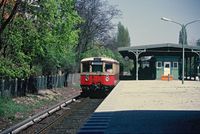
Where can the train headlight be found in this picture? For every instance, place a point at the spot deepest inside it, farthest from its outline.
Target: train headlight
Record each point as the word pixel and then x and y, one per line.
pixel 86 77
pixel 107 78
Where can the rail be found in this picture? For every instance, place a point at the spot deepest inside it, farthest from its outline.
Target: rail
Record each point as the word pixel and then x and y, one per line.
pixel 38 117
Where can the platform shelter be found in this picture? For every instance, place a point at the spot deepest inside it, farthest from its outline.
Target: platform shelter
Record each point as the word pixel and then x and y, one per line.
pixel 163 61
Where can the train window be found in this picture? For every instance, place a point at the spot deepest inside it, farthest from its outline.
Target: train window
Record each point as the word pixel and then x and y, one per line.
pixel 96 68
pixel 86 67
pixel 108 67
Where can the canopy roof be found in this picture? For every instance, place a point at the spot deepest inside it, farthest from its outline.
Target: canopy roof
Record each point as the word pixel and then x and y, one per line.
pixel 165 45
pixel 159 49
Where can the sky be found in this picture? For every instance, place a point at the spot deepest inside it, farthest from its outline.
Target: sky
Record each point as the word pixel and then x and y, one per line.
pixel 143 20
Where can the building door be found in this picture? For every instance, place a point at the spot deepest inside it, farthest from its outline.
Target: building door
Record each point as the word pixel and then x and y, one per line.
pixel 167 66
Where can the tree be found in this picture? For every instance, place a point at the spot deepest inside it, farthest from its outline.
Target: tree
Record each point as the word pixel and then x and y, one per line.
pixel 22 45
pixel 99 50
pixel 57 21
pixel 8 11
pixel 41 38
pixel 183 40
pixel 97 16
pixel 111 43
pixel 123 39
pixel 14 63
pixel 198 42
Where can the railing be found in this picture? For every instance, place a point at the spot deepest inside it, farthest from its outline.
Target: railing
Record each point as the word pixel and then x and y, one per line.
pixel 20 87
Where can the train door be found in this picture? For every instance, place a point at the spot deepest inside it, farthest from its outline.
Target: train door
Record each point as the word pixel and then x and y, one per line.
pixel 167 68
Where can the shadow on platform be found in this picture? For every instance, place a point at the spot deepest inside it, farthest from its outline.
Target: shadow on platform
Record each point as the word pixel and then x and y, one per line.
pixel 143 121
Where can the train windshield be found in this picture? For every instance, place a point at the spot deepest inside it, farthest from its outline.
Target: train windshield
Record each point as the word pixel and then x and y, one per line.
pixel 86 67
pixel 97 66
pixel 109 67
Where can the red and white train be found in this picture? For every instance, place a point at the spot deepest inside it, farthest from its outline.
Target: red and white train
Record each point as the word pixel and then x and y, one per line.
pixel 98 74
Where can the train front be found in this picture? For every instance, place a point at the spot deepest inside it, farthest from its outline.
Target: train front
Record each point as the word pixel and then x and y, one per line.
pixel 98 74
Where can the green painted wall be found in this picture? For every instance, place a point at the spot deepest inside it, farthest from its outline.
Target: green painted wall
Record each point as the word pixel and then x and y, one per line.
pixel 173 70
pixel 175 73
pixel 159 73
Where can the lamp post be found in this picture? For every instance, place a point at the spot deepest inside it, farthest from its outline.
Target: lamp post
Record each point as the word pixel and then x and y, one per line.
pixel 183 30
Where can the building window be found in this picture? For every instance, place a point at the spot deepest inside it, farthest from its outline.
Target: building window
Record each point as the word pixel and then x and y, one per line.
pixel 159 64
pixel 167 66
pixel 175 64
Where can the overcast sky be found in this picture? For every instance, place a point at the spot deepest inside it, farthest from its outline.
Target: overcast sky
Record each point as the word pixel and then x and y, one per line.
pixel 142 18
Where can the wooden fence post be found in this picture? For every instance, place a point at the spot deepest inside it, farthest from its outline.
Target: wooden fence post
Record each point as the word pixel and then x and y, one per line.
pixel 2 87
pixel 45 80
pixel 9 87
pixel 16 80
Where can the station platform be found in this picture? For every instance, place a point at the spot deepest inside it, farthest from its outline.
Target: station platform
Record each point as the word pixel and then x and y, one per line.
pixel 135 107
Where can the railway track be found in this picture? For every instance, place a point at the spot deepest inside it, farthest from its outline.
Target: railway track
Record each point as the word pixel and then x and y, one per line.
pixel 75 118
pixel 40 116
pixel 66 117
pixel 68 120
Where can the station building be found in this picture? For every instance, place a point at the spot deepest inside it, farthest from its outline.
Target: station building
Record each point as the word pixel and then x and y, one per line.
pixel 163 61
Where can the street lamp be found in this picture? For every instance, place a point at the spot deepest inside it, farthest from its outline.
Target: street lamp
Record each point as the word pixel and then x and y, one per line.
pixel 183 30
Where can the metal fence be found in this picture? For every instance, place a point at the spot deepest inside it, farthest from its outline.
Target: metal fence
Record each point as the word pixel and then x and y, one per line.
pixel 19 87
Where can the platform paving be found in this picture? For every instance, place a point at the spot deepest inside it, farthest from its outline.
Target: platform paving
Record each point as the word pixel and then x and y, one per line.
pixel 151 107
pixel 153 95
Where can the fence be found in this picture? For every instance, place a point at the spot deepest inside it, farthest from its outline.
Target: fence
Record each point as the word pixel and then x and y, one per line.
pixel 73 79
pixel 19 87
pixel 12 87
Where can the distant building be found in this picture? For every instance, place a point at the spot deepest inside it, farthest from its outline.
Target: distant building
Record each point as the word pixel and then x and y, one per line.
pixel 161 61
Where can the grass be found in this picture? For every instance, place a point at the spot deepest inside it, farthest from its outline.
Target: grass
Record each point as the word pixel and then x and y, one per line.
pixel 9 108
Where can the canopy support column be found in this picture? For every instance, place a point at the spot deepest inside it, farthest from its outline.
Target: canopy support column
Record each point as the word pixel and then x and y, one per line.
pixel 198 66
pixel 190 70
pixel 137 53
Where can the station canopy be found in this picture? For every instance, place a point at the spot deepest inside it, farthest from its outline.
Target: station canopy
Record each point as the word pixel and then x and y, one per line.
pixel 164 49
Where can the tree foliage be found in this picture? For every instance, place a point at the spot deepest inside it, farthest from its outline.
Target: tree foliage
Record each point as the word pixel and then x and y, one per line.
pixel 40 39
pixel 183 36
pixel 99 50
pixel 95 31
pixel 8 9
pixel 198 42
pixel 57 21
pixel 123 39
pixel 97 16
